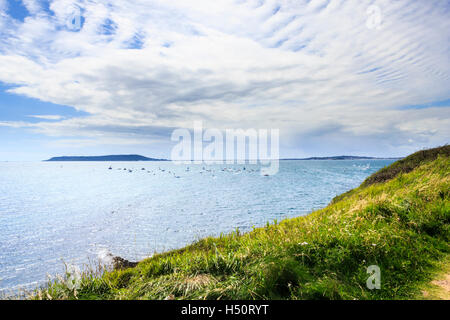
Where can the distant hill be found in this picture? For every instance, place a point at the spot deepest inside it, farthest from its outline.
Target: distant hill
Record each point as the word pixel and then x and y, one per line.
pixel 340 158
pixel 120 157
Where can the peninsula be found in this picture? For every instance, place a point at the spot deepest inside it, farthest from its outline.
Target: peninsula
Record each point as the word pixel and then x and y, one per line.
pixel 120 157
pixel 341 158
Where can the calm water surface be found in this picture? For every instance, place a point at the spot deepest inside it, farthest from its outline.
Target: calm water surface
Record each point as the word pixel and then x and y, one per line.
pixel 75 212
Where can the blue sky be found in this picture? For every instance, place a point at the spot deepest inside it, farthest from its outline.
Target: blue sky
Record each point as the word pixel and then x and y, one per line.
pixel 335 77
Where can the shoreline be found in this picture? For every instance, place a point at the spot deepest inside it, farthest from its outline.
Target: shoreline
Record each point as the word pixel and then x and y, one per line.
pixel 296 257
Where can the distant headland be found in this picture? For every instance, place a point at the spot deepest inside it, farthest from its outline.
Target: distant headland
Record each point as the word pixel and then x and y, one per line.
pixel 341 158
pixel 119 157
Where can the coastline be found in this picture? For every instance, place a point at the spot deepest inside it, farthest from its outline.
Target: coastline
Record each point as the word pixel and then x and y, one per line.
pixel 322 255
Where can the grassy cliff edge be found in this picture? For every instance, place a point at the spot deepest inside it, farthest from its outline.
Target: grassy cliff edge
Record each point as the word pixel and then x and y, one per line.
pixel 398 219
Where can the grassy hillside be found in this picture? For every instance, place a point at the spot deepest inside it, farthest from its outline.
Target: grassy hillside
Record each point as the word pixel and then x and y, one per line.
pixel 398 219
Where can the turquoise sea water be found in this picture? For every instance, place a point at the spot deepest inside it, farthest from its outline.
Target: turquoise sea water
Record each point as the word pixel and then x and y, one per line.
pixel 76 212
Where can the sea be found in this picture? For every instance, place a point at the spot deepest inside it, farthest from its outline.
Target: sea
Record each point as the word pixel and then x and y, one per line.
pixel 59 214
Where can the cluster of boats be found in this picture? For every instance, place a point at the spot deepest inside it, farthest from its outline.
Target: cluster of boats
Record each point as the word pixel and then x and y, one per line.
pixel 188 169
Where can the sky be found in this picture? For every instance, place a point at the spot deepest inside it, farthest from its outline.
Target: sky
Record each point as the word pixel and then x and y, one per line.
pixel 335 77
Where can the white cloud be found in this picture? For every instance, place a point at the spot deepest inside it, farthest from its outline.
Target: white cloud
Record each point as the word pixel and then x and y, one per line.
pixel 309 68
pixel 47 117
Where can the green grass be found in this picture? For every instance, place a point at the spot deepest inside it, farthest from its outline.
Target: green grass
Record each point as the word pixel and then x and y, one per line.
pixel 438 288
pixel 407 164
pixel 400 224
pixel 402 166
